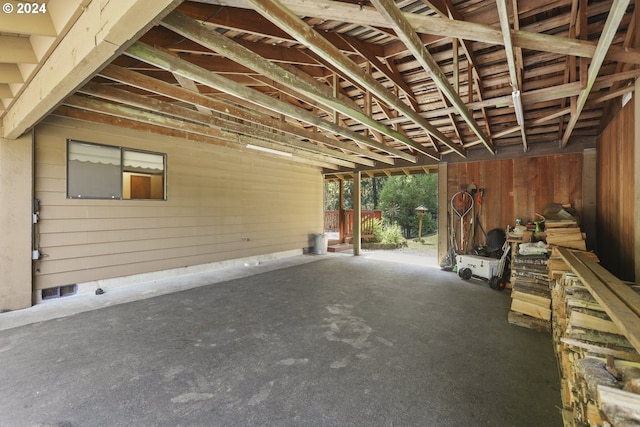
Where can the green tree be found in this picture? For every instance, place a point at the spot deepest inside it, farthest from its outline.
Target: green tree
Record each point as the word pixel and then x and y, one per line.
pixel 369 193
pixel 331 195
pixel 401 196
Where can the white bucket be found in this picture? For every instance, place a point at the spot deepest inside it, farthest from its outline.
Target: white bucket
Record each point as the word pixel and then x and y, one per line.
pixel 320 244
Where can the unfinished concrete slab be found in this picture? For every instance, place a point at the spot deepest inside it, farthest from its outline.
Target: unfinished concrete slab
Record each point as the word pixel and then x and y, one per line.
pixel 342 341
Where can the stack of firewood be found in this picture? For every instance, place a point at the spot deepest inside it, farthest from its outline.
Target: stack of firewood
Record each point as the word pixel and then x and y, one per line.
pixel 532 275
pixel 530 294
pixel 599 365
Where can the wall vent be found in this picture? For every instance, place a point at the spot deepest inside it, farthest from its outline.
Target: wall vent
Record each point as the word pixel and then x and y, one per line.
pixel 59 291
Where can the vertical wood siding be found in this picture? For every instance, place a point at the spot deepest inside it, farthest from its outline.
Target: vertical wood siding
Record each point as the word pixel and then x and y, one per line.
pixel 221 204
pixel 615 195
pixel 519 188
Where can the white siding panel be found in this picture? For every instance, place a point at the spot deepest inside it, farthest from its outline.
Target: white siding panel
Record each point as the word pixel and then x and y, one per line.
pixel 216 199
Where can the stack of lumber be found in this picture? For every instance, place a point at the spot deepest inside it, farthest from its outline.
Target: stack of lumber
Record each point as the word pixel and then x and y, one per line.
pixel 596 334
pixel 530 294
pixel 569 237
pixel 558 267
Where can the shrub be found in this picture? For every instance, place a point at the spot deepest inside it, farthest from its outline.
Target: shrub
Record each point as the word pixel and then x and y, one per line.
pixel 391 233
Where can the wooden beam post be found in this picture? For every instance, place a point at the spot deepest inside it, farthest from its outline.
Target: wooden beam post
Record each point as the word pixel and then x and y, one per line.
pixel 636 165
pixel 357 212
pixel 341 218
pixel 16 178
pixel 589 186
pixel 443 211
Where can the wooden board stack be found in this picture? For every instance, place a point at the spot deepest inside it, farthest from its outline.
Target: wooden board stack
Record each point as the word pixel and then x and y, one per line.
pixel 571 237
pixel 530 294
pixel 596 341
pixel 532 275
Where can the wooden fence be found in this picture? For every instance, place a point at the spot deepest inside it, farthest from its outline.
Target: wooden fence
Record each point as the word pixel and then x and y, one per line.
pixel 332 221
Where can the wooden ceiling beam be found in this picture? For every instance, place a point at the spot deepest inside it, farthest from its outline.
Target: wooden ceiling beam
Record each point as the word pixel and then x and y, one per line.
pixel 388 70
pixel 447 10
pixel 561 113
pixel 39 23
pixel 151 116
pixel 192 29
pixel 630 40
pixel 166 61
pixel 16 50
pixel 539 95
pixel 570 63
pixel 364 15
pixel 511 63
pixel 285 19
pixel 160 36
pixel 618 9
pixel 168 90
pixel 189 85
pixel 96 37
pixel 405 32
pixel 250 22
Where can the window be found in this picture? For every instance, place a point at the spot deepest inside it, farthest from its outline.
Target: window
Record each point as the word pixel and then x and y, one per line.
pixel 104 172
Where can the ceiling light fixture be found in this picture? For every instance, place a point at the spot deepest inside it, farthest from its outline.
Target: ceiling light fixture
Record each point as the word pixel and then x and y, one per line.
pixel 269 150
pixel 517 104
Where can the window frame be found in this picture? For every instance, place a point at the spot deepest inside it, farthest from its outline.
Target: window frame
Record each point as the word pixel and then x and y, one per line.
pixel 122 168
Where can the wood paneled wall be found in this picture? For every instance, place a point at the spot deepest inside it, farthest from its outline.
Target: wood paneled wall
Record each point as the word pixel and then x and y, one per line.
pixel 518 188
pixel 615 195
pixel 222 204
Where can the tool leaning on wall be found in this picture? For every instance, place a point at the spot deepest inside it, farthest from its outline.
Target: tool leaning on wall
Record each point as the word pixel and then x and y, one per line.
pixel 462 213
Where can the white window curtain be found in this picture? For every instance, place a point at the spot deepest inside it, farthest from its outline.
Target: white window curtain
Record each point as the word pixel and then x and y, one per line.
pixel 93 171
pixel 93 153
pixel 136 161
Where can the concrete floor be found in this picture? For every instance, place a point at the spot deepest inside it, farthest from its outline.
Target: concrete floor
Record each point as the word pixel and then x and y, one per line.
pixel 329 340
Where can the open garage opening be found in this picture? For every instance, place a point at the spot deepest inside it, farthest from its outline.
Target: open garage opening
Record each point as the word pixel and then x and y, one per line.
pixel 398 214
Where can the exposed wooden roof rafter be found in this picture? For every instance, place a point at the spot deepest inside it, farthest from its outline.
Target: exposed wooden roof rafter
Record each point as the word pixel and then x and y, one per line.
pixel 446 9
pixel 618 9
pixel 423 24
pixel 336 83
pixel 149 84
pixel 190 28
pixel 205 118
pixel 167 62
pixel 282 17
pixel 151 117
pixel 511 62
pixel 405 32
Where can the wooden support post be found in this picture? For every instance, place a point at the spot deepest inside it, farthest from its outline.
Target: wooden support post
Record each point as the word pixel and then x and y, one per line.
pixel 357 212
pixel 589 197
pixel 16 178
pixel 341 216
pixel 443 212
pixel 636 163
